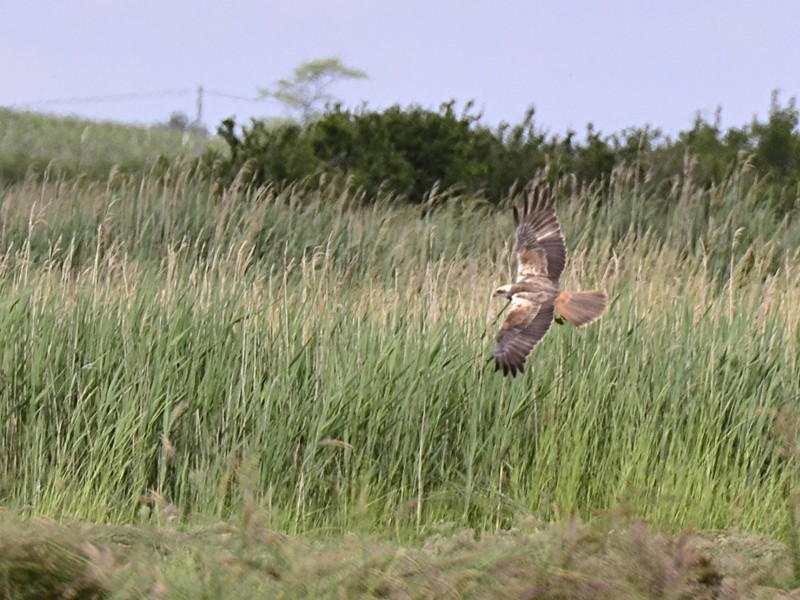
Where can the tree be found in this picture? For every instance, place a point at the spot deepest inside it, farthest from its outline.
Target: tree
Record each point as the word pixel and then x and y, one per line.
pixel 778 140
pixel 307 90
pixel 178 121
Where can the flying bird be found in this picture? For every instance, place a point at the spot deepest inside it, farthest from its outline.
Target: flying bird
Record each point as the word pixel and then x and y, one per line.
pixel 537 295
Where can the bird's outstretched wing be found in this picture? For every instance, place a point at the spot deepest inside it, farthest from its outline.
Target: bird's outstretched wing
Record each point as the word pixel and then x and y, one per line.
pixel 540 245
pixel 526 324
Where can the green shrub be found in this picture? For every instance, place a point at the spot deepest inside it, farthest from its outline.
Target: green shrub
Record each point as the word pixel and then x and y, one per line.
pixel 409 151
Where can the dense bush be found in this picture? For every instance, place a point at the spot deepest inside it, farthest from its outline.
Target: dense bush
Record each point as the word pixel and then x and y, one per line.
pixel 409 150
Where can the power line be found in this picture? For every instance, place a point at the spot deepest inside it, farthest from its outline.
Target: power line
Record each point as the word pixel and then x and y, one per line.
pixel 108 98
pixel 233 96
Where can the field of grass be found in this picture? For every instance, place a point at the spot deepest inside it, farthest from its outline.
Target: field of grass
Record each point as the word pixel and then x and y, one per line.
pixel 608 559
pixel 72 146
pixel 177 356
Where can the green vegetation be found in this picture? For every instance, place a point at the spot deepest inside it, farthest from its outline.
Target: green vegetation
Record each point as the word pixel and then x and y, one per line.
pixel 605 560
pixel 306 91
pixel 331 356
pixel 194 364
pixel 33 143
pixel 408 151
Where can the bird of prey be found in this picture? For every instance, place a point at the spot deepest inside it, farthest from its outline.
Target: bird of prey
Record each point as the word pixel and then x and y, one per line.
pixel 536 295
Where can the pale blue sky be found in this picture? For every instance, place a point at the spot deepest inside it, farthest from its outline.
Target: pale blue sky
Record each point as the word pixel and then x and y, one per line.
pixel 616 63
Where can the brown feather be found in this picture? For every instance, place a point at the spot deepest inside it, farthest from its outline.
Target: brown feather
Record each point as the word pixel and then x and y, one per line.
pixel 539 242
pixel 542 256
pixel 525 326
pixel 582 308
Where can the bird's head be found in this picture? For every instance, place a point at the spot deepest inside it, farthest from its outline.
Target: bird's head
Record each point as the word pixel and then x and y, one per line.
pixel 504 290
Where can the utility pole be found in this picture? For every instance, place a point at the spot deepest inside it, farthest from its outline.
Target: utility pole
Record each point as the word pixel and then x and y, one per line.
pixel 198 123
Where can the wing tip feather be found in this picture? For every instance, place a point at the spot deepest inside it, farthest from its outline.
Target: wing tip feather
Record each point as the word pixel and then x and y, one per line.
pixel 536 200
pixel 509 365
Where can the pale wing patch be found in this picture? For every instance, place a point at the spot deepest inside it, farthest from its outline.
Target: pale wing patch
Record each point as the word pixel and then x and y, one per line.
pixel 539 242
pixel 531 263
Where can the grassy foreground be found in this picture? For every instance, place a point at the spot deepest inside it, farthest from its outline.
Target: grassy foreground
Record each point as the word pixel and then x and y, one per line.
pixel 178 356
pixel 609 560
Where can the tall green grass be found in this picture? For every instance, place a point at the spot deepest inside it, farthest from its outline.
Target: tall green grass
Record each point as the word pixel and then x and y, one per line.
pixel 169 347
pixel 36 143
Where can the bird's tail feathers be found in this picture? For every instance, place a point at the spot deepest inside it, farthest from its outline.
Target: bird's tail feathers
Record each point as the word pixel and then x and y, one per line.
pixel 582 308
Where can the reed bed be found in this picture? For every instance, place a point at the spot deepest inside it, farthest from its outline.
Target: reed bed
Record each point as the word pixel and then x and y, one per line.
pixel 173 351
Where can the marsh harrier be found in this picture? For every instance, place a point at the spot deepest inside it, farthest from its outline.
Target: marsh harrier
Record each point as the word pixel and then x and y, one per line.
pixel 541 257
